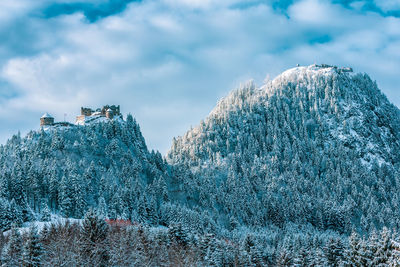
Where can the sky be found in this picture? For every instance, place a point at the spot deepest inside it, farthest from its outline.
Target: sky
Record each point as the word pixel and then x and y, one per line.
pixel 168 62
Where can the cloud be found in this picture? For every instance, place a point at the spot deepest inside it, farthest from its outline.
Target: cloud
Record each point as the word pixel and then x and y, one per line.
pixel 168 62
pixel 312 11
pixel 92 10
pixel 388 5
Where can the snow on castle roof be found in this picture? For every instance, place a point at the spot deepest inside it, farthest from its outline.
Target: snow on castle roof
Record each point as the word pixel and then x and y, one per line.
pixel 46 115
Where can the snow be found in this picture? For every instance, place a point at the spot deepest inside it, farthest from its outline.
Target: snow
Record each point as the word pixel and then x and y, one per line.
pixel 55 219
pixel 97 118
pixel 51 128
pixel 46 115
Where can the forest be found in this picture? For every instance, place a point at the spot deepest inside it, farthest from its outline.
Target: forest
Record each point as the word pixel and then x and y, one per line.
pixel 302 171
pixel 95 243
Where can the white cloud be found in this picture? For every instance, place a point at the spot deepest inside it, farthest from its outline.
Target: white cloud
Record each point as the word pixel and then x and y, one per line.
pixel 312 11
pixel 388 5
pixel 169 62
pixel 10 9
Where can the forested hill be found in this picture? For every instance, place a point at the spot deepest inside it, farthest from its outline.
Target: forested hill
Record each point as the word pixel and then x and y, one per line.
pixel 67 170
pixel 303 171
pixel 316 146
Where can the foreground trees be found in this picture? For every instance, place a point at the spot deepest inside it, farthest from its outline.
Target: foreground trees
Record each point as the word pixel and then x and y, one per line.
pixel 95 243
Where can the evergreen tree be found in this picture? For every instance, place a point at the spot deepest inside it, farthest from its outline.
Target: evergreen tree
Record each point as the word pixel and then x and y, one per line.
pixel 333 252
pixel 301 259
pixel 12 252
pixel 93 241
pixel 178 233
pixel 45 212
pixel 66 198
pixel 384 249
pixel 6 216
pixel 353 254
pixel 33 250
pixel 102 208
pixel 284 259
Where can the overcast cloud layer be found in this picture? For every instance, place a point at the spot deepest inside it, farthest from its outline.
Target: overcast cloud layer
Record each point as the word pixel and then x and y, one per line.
pixel 169 61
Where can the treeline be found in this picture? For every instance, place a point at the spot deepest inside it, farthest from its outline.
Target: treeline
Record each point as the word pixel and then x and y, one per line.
pixel 95 243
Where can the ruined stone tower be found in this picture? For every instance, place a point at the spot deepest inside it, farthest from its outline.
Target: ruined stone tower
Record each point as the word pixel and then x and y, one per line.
pixel 46 120
pixel 109 113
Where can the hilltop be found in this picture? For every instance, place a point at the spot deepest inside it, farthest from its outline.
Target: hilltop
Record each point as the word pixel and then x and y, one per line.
pixel 316 145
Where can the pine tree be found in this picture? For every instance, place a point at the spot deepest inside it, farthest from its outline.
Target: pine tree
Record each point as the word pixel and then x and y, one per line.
pixel 333 252
pixel 79 197
pixel 12 252
pixel 15 212
pixel 66 201
pixel 301 259
pixel 284 259
pixel 384 249
pixel 152 213
pixel 33 250
pixel 5 215
pixel 26 212
pixel 102 208
pixel 351 253
pixel 395 257
pixel 178 233
pixel 93 240
pixel 318 259
pixel 45 212
pixel 249 245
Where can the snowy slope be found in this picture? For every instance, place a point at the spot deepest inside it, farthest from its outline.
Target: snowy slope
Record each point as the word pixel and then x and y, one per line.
pixel 350 107
pixel 318 144
pixel 98 119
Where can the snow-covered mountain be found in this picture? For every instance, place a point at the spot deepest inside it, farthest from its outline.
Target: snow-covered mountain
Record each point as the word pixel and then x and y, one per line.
pixel 317 145
pixel 68 169
pixel 285 174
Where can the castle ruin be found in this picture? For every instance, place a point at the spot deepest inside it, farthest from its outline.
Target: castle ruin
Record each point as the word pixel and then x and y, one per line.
pixel 46 120
pixel 106 111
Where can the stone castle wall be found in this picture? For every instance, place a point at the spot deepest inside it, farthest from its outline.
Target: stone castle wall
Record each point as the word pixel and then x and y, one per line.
pixel 46 121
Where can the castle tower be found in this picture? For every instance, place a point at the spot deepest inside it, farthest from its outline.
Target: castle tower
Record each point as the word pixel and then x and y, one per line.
pixel 86 111
pixel 110 113
pixel 46 120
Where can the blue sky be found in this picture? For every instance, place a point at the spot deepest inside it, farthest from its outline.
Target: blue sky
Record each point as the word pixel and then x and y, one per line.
pixel 169 61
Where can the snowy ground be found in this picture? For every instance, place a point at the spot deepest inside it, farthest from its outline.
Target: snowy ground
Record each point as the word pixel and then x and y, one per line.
pixel 55 219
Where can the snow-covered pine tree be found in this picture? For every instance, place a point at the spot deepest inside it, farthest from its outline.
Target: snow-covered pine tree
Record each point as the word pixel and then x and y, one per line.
pixel 12 252
pixel 32 250
pixel 45 212
pixel 93 240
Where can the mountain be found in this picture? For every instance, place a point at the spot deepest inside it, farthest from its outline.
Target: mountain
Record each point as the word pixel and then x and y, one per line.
pixel 69 169
pixel 302 171
pixel 317 145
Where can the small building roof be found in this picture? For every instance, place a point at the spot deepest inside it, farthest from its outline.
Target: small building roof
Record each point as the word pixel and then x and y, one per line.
pixel 46 115
pixel 109 110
